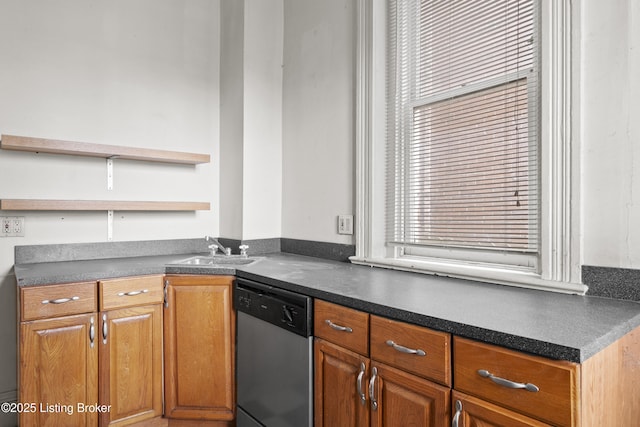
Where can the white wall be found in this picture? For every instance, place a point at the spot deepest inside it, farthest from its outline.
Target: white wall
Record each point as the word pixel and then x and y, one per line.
pixel 610 102
pixel 318 118
pixel 251 119
pixel 231 117
pixel 142 73
pixel 262 164
pixel 136 74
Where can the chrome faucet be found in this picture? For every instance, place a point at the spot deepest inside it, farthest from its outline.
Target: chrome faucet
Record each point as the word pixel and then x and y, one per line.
pixel 216 245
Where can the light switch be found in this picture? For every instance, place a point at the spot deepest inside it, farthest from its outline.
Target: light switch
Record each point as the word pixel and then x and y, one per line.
pixel 345 224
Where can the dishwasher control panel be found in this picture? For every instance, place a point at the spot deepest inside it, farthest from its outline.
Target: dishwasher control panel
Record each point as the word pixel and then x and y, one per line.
pixel 282 308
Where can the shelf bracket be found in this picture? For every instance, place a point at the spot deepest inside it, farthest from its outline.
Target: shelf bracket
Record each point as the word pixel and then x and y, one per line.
pixel 110 173
pixel 109 226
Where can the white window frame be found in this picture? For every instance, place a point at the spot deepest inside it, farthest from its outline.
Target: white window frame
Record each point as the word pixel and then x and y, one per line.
pixel 559 263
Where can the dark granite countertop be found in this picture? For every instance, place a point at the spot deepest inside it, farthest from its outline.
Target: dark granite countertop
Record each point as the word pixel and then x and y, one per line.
pixel 567 327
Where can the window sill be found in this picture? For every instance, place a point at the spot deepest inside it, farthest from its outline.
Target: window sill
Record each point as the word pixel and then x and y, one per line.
pixel 468 271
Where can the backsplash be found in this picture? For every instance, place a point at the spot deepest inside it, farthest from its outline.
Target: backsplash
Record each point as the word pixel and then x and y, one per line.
pixel 608 282
pixel 30 254
pixel 101 250
pixel 617 283
pixel 332 251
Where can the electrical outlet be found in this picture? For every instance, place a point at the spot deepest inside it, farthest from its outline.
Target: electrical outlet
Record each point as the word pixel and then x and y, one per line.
pixel 17 226
pixel 12 226
pixel 345 224
pixel 6 226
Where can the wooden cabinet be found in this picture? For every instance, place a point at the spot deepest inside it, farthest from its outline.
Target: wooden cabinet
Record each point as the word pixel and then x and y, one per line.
pixel 199 332
pixel 130 340
pixel 404 399
pixel 58 370
pixel 537 391
pixel 131 365
pixel 341 325
pixel 58 354
pixel 373 371
pixel 42 302
pixel 534 386
pixel 421 351
pixel 81 366
pixel 358 389
pixel 340 384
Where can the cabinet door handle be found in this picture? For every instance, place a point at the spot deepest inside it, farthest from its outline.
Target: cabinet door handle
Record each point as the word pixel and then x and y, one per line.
pixel 363 398
pixel 60 300
pixel 105 329
pixel 407 350
pixel 456 416
pixel 507 383
pixel 133 293
pixel 372 389
pixel 92 332
pixel 338 327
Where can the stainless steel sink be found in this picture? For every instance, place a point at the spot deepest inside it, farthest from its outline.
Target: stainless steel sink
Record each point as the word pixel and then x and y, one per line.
pixel 201 260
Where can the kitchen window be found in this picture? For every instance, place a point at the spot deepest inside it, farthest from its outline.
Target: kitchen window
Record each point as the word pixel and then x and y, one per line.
pixel 464 141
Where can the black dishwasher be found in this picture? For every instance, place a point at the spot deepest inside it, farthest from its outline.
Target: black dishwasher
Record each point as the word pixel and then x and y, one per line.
pixel 274 356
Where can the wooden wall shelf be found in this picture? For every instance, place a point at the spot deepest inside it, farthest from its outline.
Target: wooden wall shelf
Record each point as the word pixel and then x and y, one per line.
pixel 98 205
pixel 41 145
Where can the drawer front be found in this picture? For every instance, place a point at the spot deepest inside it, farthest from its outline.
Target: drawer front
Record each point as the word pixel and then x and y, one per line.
pixel 131 291
pixel 39 302
pixel 480 370
pixel 343 326
pixel 412 348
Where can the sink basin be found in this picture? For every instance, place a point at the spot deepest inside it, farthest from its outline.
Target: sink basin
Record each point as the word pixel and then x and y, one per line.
pixel 216 260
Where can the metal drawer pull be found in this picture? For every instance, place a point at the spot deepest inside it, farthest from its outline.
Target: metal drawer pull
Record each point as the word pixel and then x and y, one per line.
pixel 133 293
pixel 372 389
pixel 338 327
pixel 60 300
pixel 363 398
pixel 456 416
pixel 507 383
pixel 403 349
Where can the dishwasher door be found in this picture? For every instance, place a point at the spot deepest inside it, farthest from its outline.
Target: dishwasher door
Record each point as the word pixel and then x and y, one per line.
pixel 275 375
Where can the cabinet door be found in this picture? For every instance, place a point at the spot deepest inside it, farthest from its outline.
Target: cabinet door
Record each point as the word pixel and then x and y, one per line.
pixel 59 371
pixel 199 331
pixel 130 364
pixel 340 387
pixel 469 411
pixel 402 399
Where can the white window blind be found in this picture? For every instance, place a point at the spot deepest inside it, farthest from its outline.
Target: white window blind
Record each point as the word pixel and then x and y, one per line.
pixel 463 121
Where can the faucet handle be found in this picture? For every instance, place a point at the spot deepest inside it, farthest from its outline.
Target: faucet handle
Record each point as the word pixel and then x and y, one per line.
pixel 243 249
pixel 213 249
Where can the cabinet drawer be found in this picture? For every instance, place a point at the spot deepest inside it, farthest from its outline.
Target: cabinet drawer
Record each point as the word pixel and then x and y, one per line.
pixel 130 291
pixel 39 302
pixel 341 325
pixel 412 348
pixel 555 401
